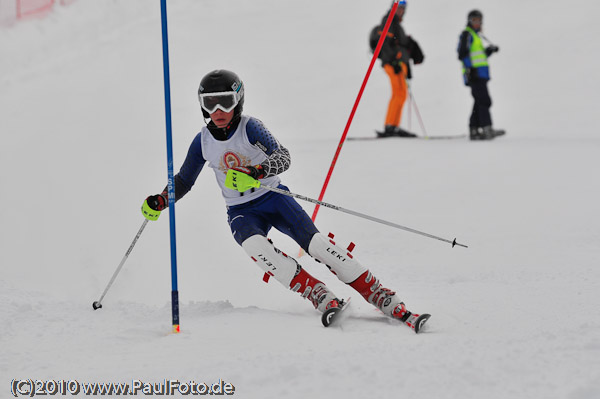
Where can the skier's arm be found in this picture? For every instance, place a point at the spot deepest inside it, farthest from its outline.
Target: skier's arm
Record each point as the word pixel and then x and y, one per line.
pixel 192 165
pixel 464 48
pixel 183 181
pixel 278 157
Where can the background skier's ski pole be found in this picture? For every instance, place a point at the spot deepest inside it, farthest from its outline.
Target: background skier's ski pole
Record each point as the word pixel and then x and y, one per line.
pixel 413 103
pixel 486 39
pixel 98 304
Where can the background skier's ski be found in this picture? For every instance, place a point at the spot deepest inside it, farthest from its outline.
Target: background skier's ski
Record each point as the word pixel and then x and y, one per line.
pixel 448 137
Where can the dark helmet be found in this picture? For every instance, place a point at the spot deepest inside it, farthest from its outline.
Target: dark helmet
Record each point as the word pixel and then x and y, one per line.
pixel 474 14
pixel 223 81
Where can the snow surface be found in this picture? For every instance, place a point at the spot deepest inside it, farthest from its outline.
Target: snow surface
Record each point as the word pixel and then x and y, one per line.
pixel 83 143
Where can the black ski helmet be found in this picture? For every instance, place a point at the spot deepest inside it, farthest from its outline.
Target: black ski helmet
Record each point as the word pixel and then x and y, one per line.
pixel 474 14
pixel 222 80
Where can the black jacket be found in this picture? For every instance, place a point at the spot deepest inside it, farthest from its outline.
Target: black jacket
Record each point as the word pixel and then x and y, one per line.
pixel 398 45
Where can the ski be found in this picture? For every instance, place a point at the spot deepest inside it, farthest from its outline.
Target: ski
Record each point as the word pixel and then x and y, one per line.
pixel 365 138
pixel 483 137
pixel 333 316
pixel 417 322
pixel 449 137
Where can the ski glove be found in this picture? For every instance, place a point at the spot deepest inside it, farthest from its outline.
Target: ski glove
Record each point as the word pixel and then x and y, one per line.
pixel 240 181
pixel 256 172
pixel 397 65
pixel 491 49
pixel 153 205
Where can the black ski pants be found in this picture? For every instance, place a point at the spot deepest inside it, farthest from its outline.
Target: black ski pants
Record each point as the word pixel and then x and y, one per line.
pixel 480 116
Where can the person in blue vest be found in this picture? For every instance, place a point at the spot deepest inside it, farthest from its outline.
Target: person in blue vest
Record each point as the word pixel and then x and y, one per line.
pixel 236 144
pixel 476 74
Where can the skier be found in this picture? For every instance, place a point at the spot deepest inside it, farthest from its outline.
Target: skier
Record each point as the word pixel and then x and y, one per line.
pixel 397 51
pixel 476 74
pixel 241 145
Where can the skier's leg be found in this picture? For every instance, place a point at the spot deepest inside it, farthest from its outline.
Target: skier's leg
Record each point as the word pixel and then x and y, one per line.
pixel 250 225
pixel 474 118
pixel 403 91
pixel 483 102
pixel 351 272
pixel 291 219
pixel 398 97
pixel 338 260
pixel 288 272
pixel 270 259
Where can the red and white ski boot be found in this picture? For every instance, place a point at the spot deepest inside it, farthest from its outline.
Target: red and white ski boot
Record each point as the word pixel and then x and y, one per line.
pixel 413 320
pixel 387 301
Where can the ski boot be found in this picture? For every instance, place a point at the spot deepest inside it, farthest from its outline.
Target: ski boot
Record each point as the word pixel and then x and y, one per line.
pixel 314 290
pixel 491 132
pixel 387 301
pixel 387 132
pixel 413 320
pixel 403 133
pixel 394 131
pixel 327 303
pixel 476 133
pixel 323 299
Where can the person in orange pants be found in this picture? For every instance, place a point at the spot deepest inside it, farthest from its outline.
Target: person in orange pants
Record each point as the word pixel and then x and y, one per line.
pixel 399 92
pixel 397 51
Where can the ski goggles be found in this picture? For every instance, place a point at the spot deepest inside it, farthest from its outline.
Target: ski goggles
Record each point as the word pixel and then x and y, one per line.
pixel 225 101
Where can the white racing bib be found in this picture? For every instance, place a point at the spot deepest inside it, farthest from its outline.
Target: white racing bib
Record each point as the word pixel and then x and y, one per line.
pixel 237 151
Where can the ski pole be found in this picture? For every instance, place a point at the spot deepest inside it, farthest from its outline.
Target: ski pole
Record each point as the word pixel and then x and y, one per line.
pixel 98 304
pixel 414 103
pixel 409 113
pixel 486 39
pixel 410 99
pixel 361 215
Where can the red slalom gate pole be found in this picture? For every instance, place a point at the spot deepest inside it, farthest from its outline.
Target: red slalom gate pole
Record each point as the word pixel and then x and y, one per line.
pixel 362 89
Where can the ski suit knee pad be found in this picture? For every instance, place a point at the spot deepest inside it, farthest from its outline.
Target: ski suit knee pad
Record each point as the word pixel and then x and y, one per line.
pixel 336 258
pixel 270 259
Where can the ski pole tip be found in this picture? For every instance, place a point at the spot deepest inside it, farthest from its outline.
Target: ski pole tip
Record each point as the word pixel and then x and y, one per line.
pixel 459 244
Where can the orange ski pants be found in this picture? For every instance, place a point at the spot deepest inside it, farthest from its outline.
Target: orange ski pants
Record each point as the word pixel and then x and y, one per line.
pixel 399 92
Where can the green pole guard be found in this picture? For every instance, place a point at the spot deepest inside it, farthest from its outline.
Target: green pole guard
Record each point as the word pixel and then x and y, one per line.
pixel 240 181
pixel 148 212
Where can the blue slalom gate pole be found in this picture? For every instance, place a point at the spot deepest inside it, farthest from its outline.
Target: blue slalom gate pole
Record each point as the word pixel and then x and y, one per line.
pixel 170 186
